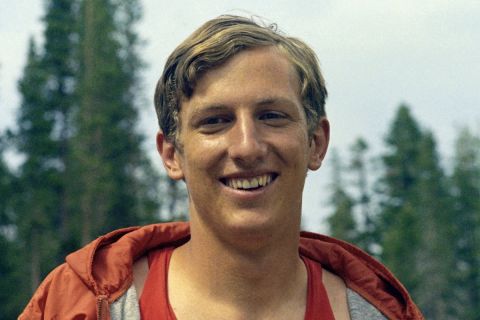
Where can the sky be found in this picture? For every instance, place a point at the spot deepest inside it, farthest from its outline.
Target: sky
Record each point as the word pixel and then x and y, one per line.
pixel 375 55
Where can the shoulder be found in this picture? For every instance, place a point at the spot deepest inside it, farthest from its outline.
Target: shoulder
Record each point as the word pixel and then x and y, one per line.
pixel 360 308
pixel 52 301
pixel 140 272
pixel 337 294
pixel 102 268
pixel 361 273
pixel 346 303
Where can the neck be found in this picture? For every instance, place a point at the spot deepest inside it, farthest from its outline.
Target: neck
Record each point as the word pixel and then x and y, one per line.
pixel 250 275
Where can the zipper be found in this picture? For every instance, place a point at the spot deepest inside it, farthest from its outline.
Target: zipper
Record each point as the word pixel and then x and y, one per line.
pixel 102 307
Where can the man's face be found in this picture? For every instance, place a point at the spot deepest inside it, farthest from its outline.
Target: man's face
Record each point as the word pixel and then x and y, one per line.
pixel 245 150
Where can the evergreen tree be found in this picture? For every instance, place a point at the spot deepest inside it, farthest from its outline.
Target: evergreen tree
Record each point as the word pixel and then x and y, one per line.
pixel 107 146
pixel 341 222
pixel 35 198
pixel 6 190
pixel 415 233
pixel 398 221
pixel 76 131
pixel 466 193
pixel 358 167
pixel 176 205
pixel 436 254
pixel 57 63
pixel 9 276
pixel 41 137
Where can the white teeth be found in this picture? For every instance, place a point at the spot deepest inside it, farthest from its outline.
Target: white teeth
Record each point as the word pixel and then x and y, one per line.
pixel 254 183
pixel 251 183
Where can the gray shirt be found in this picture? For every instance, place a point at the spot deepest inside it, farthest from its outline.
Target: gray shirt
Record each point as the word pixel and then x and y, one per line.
pixel 126 307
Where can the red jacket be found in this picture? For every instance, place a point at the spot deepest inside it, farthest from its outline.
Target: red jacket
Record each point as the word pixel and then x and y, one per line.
pixel 98 274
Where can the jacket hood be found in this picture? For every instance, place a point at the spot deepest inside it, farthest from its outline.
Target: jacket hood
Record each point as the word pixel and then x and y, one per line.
pixel 105 265
pixel 361 273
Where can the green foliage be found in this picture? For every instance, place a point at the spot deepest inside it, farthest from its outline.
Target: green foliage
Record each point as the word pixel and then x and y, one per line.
pixel 359 168
pixel 400 160
pixel 6 187
pixel 10 278
pixel 36 196
pixel 415 213
pixel 352 218
pixel 424 224
pixel 58 65
pixel 107 146
pixel 465 183
pixel 342 223
pixel 83 170
pixel 9 263
pixel 33 204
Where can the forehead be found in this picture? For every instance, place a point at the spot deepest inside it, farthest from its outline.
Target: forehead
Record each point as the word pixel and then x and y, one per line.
pixel 257 73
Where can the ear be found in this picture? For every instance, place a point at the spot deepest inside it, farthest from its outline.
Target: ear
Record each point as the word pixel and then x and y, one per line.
pixel 319 144
pixel 170 156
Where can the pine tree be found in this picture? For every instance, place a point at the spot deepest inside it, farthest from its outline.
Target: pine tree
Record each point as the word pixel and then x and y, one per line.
pixel 65 110
pixel 34 142
pixel 436 253
pixel 466 193
pixel 6 189
pixel 176 201
pixel 9 275
pixel 109 161
pixel 341 222
pixel 415 213
pixel 58 65
pixel 41 136
pixel 35 197
pixel 398 221
pixel 359 169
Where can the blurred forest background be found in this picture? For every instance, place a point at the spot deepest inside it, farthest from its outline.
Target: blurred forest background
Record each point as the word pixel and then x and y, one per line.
pixel 84 172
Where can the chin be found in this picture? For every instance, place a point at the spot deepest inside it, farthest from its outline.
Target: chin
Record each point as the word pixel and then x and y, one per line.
pixel 253 230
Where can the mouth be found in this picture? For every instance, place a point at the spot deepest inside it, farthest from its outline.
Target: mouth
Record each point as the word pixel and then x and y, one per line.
pixel 251 183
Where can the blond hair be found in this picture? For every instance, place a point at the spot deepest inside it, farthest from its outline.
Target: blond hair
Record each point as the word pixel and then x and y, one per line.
pixel 215 42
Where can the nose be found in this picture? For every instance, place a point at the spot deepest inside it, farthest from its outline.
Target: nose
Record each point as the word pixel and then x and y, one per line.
pixel 246 146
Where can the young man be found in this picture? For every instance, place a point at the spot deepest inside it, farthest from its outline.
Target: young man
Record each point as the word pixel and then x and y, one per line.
pixel 241 112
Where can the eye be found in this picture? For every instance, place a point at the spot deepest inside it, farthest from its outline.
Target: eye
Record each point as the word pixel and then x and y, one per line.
pixel 270 115
pixel 213 124
pixel 273 118
pixel 214 120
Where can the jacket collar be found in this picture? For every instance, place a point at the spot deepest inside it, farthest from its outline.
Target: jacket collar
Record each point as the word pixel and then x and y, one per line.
pixel 361 273
pixel 105 265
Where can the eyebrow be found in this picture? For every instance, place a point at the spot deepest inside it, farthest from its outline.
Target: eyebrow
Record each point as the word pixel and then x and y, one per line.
pixel 201 111
pixel 274 100
pixel 208 108
pixel 215 107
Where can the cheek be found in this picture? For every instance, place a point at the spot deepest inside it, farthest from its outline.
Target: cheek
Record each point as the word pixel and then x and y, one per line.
pixel 201 155
pixel 297 145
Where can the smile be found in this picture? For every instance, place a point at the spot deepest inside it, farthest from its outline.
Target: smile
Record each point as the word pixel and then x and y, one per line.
pixel 249 183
